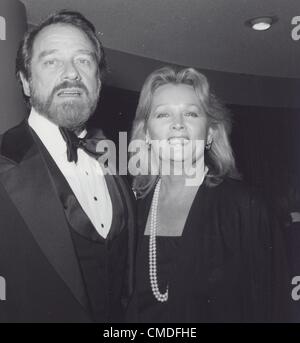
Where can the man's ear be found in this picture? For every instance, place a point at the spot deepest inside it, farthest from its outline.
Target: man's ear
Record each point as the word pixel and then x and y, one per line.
pixel 25 84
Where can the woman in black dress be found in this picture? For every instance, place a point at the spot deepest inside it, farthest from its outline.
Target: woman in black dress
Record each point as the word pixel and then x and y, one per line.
pixel 208 251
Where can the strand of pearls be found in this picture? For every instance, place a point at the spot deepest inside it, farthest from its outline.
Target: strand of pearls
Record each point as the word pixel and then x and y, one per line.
pixel 162 297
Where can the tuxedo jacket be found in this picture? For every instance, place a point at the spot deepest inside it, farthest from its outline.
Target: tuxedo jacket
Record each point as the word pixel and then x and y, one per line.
pixel 229 266
pixel 37 256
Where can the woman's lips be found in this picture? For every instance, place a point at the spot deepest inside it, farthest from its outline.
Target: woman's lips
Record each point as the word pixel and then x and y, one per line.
pixel 178 140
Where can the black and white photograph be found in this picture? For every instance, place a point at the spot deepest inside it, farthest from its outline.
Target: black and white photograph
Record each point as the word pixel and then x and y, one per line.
pixel 149 164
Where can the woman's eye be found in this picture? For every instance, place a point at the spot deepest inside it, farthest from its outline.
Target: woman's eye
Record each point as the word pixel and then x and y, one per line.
pixel 50 63
pixel 192 114
pixel 83 61
pixel 162 115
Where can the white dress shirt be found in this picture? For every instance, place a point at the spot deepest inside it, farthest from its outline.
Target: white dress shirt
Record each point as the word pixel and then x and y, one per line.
pixel 85 177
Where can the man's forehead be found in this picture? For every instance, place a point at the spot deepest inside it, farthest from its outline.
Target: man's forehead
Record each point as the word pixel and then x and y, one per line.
pixel 64 36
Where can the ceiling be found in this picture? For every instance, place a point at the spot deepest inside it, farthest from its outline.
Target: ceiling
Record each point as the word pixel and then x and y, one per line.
pixel 207 34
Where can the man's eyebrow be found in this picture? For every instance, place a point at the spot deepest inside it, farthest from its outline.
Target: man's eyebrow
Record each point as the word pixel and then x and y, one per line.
pixel 81 51
pixel 88 52
pixel 46 53
pixel 84 51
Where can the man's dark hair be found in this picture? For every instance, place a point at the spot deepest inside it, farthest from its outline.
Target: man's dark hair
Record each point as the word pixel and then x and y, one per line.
pixel 24 54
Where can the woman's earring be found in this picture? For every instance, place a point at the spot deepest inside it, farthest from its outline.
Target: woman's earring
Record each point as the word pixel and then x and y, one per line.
pixel 148 143
pixel 208 145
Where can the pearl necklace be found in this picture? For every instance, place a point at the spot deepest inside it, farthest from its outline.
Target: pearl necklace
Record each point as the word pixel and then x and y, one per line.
pixel 162 297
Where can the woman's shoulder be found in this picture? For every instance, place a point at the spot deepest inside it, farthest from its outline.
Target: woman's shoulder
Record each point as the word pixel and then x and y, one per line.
pixel 237 191
pixel 243 208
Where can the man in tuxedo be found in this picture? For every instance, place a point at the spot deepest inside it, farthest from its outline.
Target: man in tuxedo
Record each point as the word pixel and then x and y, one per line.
pixel 66 229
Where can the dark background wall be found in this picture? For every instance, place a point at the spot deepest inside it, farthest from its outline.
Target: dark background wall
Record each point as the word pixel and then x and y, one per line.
pixel 11 103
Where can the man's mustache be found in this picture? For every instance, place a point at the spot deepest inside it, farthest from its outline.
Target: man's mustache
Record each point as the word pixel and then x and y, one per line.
pixel 68 84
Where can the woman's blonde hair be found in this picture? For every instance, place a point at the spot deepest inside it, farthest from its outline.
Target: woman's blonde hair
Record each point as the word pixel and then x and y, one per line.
pixel 219 158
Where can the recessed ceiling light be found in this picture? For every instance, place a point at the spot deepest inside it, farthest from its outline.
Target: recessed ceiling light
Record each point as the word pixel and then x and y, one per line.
pixel 261 23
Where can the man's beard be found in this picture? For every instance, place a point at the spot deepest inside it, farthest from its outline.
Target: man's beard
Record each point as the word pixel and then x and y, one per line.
pixel 71 113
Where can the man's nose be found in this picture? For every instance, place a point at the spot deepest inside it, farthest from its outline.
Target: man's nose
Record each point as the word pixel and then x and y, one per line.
pixel 70 72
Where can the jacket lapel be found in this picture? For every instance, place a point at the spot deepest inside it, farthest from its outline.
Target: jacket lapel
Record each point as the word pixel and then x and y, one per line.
pixel 30 186
pixel 129 203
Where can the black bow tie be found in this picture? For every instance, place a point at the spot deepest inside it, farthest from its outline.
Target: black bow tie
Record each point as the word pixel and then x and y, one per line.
pixel 88 143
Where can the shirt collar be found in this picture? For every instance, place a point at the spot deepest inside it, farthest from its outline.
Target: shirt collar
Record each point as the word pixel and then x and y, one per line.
pixel 49 133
